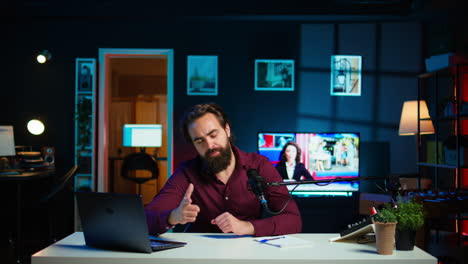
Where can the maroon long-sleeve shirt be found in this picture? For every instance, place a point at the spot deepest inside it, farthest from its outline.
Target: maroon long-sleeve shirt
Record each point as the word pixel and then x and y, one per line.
pixel 214 198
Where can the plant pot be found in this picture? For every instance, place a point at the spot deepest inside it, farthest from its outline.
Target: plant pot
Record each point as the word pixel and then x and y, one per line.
pixel 385 237
pixel 405 239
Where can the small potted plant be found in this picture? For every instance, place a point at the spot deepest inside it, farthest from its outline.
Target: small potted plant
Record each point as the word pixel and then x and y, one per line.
pixel 385 223
pixel 410 217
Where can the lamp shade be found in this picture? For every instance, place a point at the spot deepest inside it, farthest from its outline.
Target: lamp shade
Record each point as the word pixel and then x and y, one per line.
pixel 409 119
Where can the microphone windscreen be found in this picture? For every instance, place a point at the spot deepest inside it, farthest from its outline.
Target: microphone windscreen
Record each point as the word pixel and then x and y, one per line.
pixel 253 181
pixel 252 173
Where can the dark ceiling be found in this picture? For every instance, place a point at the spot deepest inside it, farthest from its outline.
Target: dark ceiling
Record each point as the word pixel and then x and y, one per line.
pixel 306 9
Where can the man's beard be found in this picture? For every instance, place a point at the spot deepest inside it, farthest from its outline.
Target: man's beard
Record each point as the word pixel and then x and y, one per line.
pixel 220 162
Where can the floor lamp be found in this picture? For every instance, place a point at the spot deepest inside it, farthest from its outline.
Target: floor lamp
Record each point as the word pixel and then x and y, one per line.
pixel 411 125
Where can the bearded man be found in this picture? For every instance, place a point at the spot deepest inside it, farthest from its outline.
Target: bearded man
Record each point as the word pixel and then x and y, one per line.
pixel 210 192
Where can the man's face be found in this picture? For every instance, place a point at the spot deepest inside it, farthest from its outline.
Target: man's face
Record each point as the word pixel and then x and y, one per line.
pixel 211 141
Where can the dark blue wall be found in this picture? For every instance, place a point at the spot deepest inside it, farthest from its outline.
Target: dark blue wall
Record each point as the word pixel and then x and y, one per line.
pixel 391 59
pixel 391 55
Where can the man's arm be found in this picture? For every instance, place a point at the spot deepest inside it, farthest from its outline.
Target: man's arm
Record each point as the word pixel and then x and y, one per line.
pixel 169 198
pixel 230 224
pixel 186 212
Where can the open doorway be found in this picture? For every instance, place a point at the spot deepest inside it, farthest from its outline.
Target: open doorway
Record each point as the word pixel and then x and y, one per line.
pixel 135 86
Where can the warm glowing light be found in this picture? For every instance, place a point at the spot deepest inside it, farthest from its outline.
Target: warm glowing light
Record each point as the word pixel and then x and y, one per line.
pixel 409 119
pixel 35 127
pixel 44 56
pixel 41 58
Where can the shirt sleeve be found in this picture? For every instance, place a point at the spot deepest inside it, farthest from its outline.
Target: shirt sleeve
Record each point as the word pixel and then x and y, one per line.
pixel 158 210
pixel 287 222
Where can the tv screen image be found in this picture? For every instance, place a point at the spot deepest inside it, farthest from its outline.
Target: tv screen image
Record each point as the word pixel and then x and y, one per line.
pixel 326 156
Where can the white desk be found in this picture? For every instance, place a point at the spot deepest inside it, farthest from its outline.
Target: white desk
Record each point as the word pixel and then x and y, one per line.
pixel 220 249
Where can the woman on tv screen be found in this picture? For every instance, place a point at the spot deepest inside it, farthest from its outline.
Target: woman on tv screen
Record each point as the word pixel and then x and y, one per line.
pixel 290 166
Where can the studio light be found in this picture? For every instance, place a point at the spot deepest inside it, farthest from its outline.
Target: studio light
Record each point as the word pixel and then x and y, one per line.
pixel 44 56
pixel 35 127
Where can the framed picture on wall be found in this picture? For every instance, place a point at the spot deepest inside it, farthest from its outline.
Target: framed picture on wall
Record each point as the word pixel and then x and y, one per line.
pixel 345 75
pixel 274 75
pixel 202 75
pixel 85 74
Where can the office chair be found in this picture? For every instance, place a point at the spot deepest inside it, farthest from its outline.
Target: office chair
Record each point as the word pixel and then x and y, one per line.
pixel 139 161
pixel 49 201
pixel 60 184
pixel 56 199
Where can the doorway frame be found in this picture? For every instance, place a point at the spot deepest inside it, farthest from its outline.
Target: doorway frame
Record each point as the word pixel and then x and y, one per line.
pixel 105 54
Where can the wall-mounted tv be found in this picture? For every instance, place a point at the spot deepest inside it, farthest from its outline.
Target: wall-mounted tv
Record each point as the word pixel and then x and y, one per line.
pixel 326 156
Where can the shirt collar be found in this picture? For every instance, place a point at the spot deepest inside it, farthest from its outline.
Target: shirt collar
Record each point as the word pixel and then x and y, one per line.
pixel 242 161
pixel 238 155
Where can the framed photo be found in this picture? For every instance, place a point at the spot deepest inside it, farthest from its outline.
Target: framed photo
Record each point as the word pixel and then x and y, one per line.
pixel 202 75
pixel 345 75
pixel 274 75
pixel 85 74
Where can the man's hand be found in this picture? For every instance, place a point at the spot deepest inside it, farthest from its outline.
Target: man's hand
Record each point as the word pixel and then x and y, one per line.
pixel 186 212
pixel 230 224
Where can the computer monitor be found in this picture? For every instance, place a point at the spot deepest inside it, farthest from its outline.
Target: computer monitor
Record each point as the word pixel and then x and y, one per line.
pixel 327 156
pixel 7 141
pixel 142 135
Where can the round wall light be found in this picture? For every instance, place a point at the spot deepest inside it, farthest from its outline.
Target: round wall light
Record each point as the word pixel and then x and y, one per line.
pixel 35 127
pixel 44 56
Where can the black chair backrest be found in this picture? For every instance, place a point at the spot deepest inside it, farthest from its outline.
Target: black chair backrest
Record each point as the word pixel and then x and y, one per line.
pixel 139 161
pixel 60 184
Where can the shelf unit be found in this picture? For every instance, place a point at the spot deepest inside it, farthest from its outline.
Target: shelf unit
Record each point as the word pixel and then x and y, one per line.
pixel 85 120
pixel 443 156
pixel 440 156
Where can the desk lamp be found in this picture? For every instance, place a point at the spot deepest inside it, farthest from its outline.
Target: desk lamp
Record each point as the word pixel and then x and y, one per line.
pixel 33 159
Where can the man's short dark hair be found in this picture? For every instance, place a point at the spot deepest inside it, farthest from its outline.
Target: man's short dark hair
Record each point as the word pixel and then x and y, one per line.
pixel 200 110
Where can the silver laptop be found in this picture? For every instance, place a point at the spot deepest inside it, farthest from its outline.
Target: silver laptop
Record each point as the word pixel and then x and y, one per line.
pixel 117 222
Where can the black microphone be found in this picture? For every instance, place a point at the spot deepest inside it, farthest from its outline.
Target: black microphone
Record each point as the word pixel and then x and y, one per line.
pixel 257 185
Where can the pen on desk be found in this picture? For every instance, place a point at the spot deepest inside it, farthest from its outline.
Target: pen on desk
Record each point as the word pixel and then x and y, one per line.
pixel 269 239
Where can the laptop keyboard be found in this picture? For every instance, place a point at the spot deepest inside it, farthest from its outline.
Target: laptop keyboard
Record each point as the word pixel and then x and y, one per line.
pixel 157 245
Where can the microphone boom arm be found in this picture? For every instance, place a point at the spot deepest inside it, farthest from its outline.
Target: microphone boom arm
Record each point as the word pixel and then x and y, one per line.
pixel 392 183
pixel 338 179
